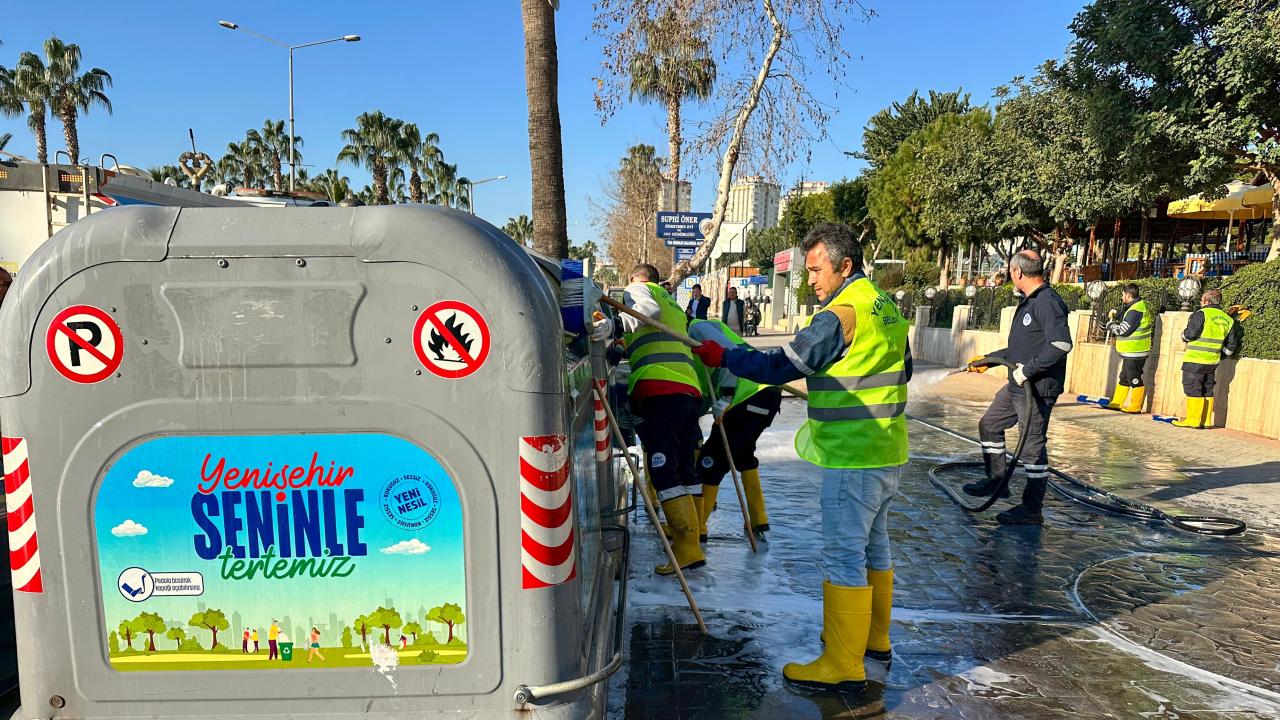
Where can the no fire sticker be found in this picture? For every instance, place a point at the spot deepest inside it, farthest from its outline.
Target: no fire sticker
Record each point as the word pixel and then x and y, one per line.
pixel 451 339
pixel 84 344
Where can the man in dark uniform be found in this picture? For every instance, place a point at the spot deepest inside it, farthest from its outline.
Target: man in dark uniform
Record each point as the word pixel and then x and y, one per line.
pixel 1038 346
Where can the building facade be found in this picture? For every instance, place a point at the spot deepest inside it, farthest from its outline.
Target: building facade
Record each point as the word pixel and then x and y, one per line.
pixel 754 198
pixel 678 201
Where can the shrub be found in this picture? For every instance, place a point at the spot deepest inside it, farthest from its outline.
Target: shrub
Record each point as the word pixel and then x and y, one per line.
pixel 920 273
pixel 1072 295
pixel 113 642
pixel 428 656
pixel 1257 288
pixel 889 278
pixel 456 641
pixel 191 644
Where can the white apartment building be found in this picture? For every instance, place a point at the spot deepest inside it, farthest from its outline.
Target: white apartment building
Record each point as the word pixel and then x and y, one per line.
pixel 671 200
pixel 800 189
pixel 753 198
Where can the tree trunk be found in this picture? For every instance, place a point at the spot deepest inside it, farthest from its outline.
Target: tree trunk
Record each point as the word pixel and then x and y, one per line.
pixel 731 152
pixel 415 187
pixel 36 123
pixel 546 155
pixel 277 176
pixel 151 641
pixel 70 133
pixel 215 639
pixel 450 632
pixel 944 269
pixel 673 146
pixel 387 633
pixel 1274 253
pixel 380 183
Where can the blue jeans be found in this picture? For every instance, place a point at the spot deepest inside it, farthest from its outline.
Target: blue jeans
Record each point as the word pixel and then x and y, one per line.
pixel 855 522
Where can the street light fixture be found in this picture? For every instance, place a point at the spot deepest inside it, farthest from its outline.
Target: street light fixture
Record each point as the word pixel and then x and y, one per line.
pixel 1187 289
pixel 471 190
pixel 293 165
pixel 728 271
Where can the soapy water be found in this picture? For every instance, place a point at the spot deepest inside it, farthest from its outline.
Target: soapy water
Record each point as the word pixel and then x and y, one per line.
pixel 769 603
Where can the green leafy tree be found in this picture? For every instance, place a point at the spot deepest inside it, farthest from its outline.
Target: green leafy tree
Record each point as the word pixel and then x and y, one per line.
pixel 362 626
pixel 149 623
pixel 674 65
pixel 177 635
pixel 584 251
pixel 346 640
pixel 212 620
pixel 762 245
pixel 385 618
pixel 374 143
pixel 113 642
pixel 449 614
pixel 891 126
pixel 413 628
pixel 128 630
pixel 520 229
pixel 806 211
pixel 1183 91
pixel 72 93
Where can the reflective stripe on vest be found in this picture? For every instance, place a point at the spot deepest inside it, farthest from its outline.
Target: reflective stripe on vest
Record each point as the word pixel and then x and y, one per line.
pixel 1207 349
pixel 745 388
pixel 1139 343
pixel 857 405
pixel 655 355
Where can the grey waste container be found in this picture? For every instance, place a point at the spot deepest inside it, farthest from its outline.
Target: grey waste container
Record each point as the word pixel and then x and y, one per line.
pixel 345 418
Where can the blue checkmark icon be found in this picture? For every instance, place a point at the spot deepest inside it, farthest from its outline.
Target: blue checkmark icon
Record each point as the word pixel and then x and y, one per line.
pixel 131 591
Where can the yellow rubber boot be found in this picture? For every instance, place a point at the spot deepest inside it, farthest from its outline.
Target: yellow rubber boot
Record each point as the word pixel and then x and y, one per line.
pixel 846 613
pixel 878 647
pixel 1133 404
pixel 1118 397
pixel 709 494
pixel 682 518
pixel 1195 413
pixel 755 500
pixel 1206 419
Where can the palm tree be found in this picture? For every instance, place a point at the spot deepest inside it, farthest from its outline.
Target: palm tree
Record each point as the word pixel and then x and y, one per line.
pixel 546 153
pixel 367 195
pixel 372 144
pixel 520 229
pixel 420 153
pixel 30 87
pixel 243 161
pixel 4 139
pixel 444 184
pixel 675 65
pixel 165 173
pixel 272 144
pixel 71 93
pixel 463 194
pixel 641 175
pixel 396 187
pixel 336 187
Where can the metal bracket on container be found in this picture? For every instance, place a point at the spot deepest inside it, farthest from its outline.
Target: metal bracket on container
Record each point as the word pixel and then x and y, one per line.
pixel 529 693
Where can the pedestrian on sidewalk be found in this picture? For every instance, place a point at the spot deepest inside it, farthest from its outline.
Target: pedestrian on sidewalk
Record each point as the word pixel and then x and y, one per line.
pixel 1038 345
pixel 1211 334
pixel 733 311
pixel 1133 332
pixel 745 409
pixel 855 358
pixel 665 395
pixel 698 305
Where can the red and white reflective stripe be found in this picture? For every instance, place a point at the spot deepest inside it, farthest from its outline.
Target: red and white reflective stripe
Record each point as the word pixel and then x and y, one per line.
pixel 106 199
pixel 24 550
pixel 602 427
pixel 549 556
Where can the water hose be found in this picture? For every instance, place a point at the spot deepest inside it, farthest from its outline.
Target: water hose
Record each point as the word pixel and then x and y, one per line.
pixel 1071 488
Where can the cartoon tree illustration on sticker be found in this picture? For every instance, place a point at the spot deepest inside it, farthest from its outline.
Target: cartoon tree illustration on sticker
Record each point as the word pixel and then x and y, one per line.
pixel 212 620
pixel 362 626
pixel 113 642
pixel 413 628
pixel 177 635
pixel 450 614
pixel 346 637
pixel 149 623
pixel 385 618
pixel 127 631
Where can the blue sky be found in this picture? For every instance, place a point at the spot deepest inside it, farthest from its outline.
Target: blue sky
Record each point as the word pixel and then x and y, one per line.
pixel 457 69
pixel 160 502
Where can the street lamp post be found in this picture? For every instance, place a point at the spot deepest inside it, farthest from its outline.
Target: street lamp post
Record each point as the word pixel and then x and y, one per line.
pixel 293 165
pixel 728 272
pixel 471 190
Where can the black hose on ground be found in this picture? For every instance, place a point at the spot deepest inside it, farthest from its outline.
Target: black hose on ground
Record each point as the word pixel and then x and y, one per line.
pixel 1072 488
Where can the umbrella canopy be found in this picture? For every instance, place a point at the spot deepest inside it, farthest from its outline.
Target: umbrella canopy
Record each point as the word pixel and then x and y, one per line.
pixel 1242 200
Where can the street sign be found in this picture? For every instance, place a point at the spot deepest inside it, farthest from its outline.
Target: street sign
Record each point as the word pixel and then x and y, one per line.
pixel 84 344
pixel 682 243
pixel 674 225
pixel 758 280
pixel 685 253
pixel 451 339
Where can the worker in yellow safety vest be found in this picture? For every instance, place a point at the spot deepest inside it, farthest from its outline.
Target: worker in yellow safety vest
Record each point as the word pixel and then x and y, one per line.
pixel 1133 332
pixel 1211 334
pixel 665 394
pixel 745 409
pixel 856 362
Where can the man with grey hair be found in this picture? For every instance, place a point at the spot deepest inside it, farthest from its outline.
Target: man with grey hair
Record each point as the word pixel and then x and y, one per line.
pixel 1038 345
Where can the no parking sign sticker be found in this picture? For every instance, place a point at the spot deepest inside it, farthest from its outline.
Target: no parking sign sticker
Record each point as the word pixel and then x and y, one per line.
pixel 451 339
pixel 84 344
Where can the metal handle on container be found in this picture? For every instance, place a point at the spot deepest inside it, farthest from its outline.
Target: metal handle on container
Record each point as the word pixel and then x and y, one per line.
pixel 528 693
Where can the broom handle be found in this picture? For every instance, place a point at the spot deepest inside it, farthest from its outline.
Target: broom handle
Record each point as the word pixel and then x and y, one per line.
pixel 682 337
